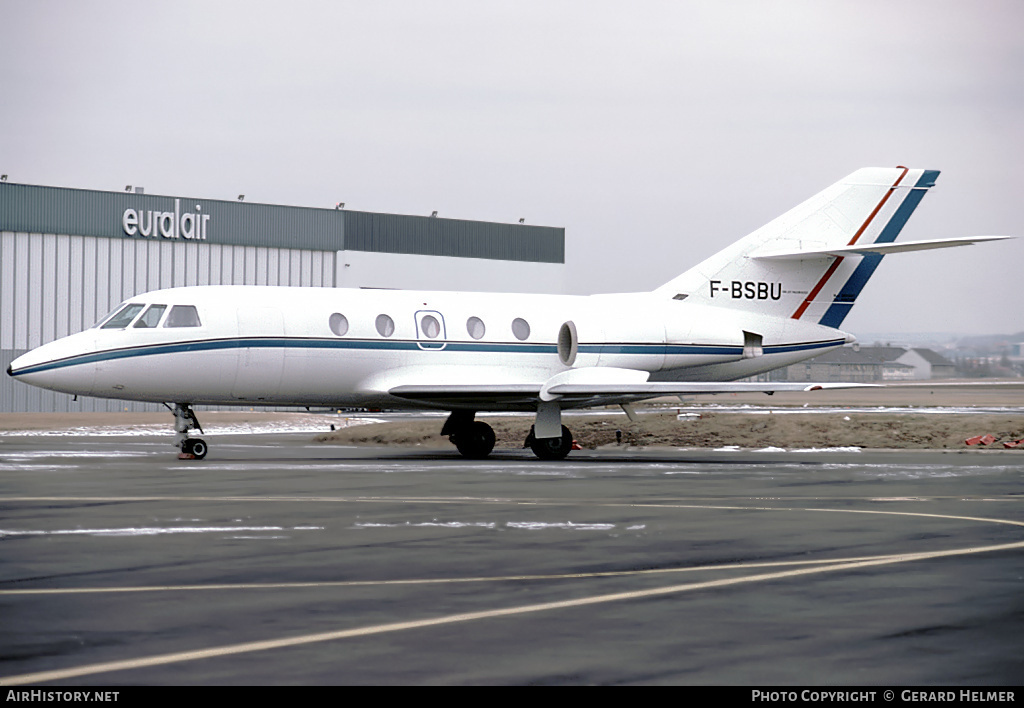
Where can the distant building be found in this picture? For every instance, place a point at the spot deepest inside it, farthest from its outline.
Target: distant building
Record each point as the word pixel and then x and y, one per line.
pixel 856 364
pixel 937 366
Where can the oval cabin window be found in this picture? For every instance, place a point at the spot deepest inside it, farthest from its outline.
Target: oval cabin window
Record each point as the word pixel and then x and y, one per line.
pixel 520 328
pixel 430 326
pixel 475 327
pixel 385 325
pixel 339 324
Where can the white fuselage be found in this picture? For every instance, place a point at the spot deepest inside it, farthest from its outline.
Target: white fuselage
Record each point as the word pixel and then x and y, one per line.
pixel 259 345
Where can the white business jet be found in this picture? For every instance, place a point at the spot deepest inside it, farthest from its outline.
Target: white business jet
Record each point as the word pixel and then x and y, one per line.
pixel 771 299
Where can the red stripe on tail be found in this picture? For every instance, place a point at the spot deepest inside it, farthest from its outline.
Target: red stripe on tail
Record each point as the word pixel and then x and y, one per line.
pixel 839 259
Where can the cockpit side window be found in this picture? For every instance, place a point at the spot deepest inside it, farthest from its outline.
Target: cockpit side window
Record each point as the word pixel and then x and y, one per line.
pixel 183 316
pixel 124 317
pixel 151 317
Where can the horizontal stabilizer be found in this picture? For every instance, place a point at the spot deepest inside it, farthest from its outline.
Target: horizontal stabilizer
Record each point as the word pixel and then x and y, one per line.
pixel 879 249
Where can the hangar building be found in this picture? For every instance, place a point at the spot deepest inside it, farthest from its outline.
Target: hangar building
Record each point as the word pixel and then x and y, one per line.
pixel 69 256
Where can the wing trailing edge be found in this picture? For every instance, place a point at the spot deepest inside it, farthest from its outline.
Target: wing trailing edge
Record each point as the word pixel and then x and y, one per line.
pixel 586 387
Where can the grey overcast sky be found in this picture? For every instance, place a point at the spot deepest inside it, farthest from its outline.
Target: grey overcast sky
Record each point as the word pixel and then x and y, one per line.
pixel 656 133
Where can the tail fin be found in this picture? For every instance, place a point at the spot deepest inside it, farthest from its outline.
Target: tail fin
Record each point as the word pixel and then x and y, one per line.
pixel 784 268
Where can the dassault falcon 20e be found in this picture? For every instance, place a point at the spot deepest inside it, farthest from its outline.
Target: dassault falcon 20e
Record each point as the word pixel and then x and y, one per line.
pixel 769 300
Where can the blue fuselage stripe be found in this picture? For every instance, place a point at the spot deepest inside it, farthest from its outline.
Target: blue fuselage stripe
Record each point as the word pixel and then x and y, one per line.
pixel 409 345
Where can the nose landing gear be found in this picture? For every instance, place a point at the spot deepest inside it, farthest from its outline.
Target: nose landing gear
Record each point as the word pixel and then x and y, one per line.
pixel 193 449
pixel 185 420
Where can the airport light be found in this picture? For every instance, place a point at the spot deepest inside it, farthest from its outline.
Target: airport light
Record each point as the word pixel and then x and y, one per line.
pixel 241 197
pixel 433 215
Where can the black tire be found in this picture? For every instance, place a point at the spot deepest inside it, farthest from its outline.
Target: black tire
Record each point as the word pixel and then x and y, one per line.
pixel 551 448
pixel 196 447
pixel 475 441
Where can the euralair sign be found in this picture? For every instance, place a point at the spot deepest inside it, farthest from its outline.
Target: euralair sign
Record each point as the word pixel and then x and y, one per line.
pixel 166 224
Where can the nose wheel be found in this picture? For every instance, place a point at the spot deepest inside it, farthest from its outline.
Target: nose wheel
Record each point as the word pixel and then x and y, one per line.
pixel 185 420
pixel 193 449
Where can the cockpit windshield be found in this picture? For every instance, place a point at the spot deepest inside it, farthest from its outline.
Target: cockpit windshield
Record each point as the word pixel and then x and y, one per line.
pixel 123 317
pixel 124 314
pixel 107 316
pixel 151 317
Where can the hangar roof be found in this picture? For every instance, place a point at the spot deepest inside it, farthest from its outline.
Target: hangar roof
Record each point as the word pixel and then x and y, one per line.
pixel 84 212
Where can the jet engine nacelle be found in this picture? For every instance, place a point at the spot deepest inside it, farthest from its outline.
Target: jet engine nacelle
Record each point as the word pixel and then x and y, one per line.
pixel 651 335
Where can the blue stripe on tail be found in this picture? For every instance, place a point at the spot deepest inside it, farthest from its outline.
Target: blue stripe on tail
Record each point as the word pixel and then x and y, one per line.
pixel 843 303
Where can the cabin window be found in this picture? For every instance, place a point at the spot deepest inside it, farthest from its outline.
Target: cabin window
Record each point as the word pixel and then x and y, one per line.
pixel 339 324
pixel 151 317
pixel 520 328
pixel 385 325
pixel 183 316
pixel 430 326
pixel 475 327
pixel 124 317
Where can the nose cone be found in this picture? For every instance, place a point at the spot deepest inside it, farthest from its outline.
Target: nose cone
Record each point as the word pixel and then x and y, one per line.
pixel 65 365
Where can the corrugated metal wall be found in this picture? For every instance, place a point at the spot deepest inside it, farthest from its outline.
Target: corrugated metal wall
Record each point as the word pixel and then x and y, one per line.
pixel 54 285
pixel 397 233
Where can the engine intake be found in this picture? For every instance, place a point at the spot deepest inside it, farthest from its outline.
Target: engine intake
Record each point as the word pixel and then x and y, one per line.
pixel 568 343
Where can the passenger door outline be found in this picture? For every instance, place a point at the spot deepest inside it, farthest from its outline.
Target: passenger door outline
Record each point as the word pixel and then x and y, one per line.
pixel 431 343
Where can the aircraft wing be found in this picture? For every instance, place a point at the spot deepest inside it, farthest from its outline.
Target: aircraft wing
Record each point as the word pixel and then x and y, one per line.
pixel 594 386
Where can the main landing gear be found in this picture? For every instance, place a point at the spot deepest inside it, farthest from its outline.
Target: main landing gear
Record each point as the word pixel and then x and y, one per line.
pixel 475 439
pixel 185 420
pixel 550 448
